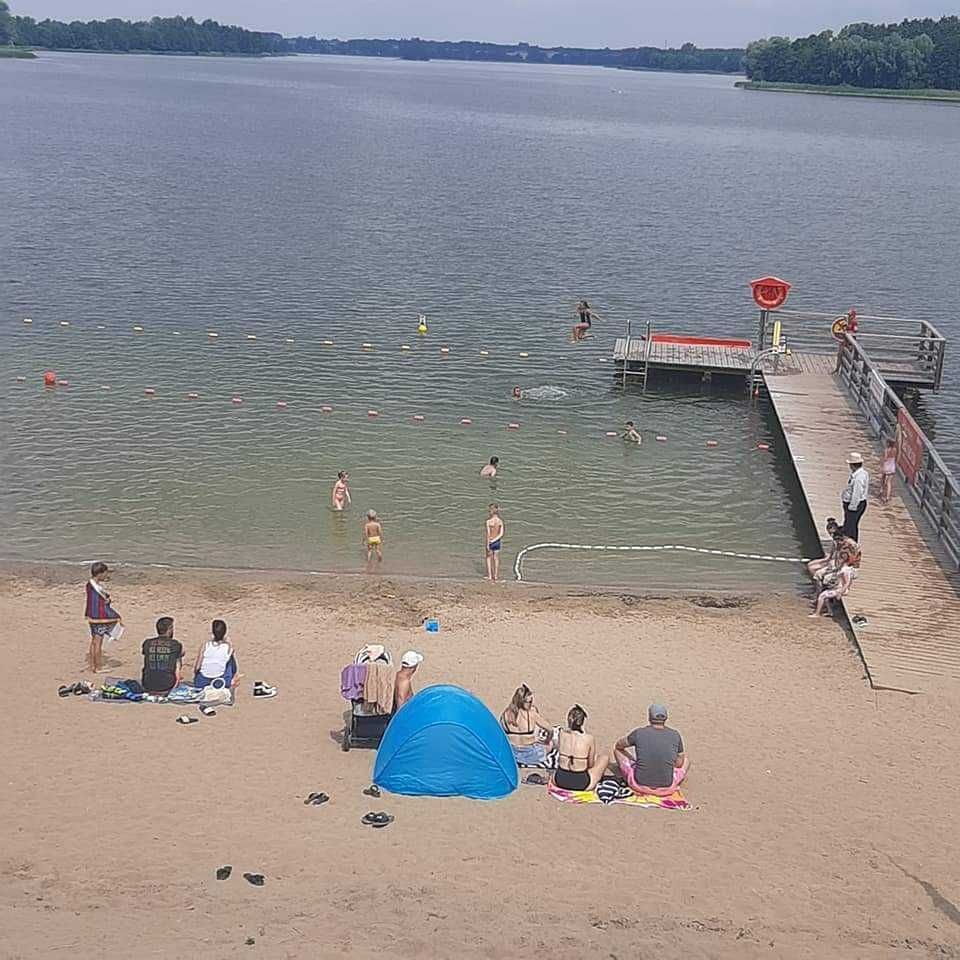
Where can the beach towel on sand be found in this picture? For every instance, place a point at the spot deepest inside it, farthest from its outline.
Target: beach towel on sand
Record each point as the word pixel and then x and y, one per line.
pixel 675 801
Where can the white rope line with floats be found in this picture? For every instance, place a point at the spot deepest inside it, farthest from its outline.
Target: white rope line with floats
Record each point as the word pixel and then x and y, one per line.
pixel 518 563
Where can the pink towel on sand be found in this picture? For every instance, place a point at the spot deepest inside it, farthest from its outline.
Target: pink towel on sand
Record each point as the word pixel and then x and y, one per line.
pixel 679 773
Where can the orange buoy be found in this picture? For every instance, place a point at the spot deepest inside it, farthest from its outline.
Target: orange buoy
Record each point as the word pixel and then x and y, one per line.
pixel 763 446
pixel 373 413
pixel 712 443
pixel 418 418
pixel 513 426
pixel 149 391
pixel 236 399
pixel 326 409
pixel 50 378
pixel 466 421
pixel 661 439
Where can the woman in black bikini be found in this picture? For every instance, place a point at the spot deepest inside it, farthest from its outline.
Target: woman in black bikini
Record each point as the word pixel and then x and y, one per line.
pixel 578 766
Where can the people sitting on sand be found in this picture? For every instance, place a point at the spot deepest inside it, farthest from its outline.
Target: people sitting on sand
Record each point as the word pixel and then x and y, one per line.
pixel 847 556
pixel 659 763
pixel 101 616
pixel 403 684
pixel 530 735
pixel 819 569
pixel 162 660
pixel 578 766
pixel 216 660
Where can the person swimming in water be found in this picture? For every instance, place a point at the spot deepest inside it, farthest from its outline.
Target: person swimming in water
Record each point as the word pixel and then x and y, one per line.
pixel 340 496
pixel 373 538
pixel 494 530
pixel 517 393
pixel 631 434
pixel 489 470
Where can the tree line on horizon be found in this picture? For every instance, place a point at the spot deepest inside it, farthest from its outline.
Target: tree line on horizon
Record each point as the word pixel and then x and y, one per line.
pixel 913 54
pixel 186 35
pixel 921 53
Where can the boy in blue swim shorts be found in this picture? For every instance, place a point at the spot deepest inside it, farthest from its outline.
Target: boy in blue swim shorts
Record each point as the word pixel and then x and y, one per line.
pixel 493 537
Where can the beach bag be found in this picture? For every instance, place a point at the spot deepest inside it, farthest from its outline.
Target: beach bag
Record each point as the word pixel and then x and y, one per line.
pixel 217 692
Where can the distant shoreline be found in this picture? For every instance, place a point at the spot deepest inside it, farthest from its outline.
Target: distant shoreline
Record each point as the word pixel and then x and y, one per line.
pixel 17 53
pixel 155 53
pixel 938 96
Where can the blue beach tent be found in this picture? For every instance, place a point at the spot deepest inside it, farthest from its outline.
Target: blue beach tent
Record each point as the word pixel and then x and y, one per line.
pixel 445 743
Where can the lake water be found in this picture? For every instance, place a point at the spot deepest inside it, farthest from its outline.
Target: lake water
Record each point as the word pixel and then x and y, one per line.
pixel 311 199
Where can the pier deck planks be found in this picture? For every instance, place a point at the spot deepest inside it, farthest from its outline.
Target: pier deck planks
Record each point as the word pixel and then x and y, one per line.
pixel 912 637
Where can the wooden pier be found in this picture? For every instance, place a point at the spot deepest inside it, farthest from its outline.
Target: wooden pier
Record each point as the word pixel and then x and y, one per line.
pixel 832 397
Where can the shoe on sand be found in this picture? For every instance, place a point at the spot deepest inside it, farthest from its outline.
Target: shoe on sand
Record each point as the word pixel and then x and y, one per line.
pixel 223 873
pixel 257 879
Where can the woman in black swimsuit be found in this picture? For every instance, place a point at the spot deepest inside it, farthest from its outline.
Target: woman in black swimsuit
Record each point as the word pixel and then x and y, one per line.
pixel 578 766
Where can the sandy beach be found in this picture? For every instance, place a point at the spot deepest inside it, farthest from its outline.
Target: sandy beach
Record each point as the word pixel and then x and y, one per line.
pixel 823 813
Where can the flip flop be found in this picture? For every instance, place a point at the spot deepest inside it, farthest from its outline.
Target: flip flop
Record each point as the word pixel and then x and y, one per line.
pixel 536 780
pixel 207 710
pixel 65 691
pixel 377 819
pixel 81 688
pixel 185 720
pixel 224 872
pixel 384 822
pixel 315 799
pixel 372 791
pixel 256 879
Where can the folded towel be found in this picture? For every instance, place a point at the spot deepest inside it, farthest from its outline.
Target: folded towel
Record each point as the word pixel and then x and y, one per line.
pixel 675 801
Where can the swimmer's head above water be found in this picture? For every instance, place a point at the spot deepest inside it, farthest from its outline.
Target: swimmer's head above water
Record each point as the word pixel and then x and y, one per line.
pixel 517 393
pixel 494 461
pixel 343 475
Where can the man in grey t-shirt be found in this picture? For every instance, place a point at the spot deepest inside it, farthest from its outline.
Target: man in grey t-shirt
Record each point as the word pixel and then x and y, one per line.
pixel 659 760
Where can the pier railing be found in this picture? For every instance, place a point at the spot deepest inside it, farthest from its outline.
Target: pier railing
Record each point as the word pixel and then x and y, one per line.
pixel 908 352
pixel 930 482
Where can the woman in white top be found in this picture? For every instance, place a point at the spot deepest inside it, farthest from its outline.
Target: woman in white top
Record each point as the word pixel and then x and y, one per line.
pixel 216 660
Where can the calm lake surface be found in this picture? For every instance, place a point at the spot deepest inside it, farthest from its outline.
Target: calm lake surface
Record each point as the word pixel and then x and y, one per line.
pixel 309 199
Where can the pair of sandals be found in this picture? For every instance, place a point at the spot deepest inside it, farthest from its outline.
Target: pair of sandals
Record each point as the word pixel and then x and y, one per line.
pixel 255 879
pixel 377 820
pixel 316 799
pixel 80 688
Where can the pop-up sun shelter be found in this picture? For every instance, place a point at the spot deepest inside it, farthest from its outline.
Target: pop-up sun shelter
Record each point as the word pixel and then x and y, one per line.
pixel 445 743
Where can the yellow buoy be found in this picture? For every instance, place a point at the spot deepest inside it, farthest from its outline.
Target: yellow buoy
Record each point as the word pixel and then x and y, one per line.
pixel 422 323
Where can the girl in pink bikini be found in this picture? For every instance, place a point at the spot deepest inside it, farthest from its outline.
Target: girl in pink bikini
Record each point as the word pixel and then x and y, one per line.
pixel 341 492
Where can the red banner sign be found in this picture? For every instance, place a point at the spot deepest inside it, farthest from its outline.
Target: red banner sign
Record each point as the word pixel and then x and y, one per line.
pixel 909 446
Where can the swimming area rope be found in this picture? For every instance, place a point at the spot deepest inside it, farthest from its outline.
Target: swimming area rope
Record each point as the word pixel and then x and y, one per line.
pixel 518 564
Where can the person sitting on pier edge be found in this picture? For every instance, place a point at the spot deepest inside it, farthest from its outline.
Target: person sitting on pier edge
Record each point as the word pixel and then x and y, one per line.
pixel 659 764
pixel 854 497
pixel 818 569
pixel 578 766
pixel 848 557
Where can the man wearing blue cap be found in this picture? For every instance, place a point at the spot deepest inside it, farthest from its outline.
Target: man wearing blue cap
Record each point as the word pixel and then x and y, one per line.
pixel 659 761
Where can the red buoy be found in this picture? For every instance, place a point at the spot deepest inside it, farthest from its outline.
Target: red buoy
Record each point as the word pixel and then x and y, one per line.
pixel 50 378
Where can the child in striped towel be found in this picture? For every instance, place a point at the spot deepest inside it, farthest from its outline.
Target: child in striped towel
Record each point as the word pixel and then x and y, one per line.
pixel 99 613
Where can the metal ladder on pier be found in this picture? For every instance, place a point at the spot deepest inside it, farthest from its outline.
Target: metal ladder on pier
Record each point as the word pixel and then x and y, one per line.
pixel 644 370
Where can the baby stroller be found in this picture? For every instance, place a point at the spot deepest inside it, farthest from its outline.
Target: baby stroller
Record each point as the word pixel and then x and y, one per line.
pixel 367 724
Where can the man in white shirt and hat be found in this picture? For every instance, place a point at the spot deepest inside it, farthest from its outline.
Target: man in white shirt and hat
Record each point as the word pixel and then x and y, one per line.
pixel 854 496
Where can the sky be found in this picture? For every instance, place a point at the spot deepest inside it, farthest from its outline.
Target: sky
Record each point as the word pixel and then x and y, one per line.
pixel 585 23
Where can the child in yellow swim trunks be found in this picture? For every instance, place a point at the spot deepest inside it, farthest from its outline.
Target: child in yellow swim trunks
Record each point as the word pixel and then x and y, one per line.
pixel 373 538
